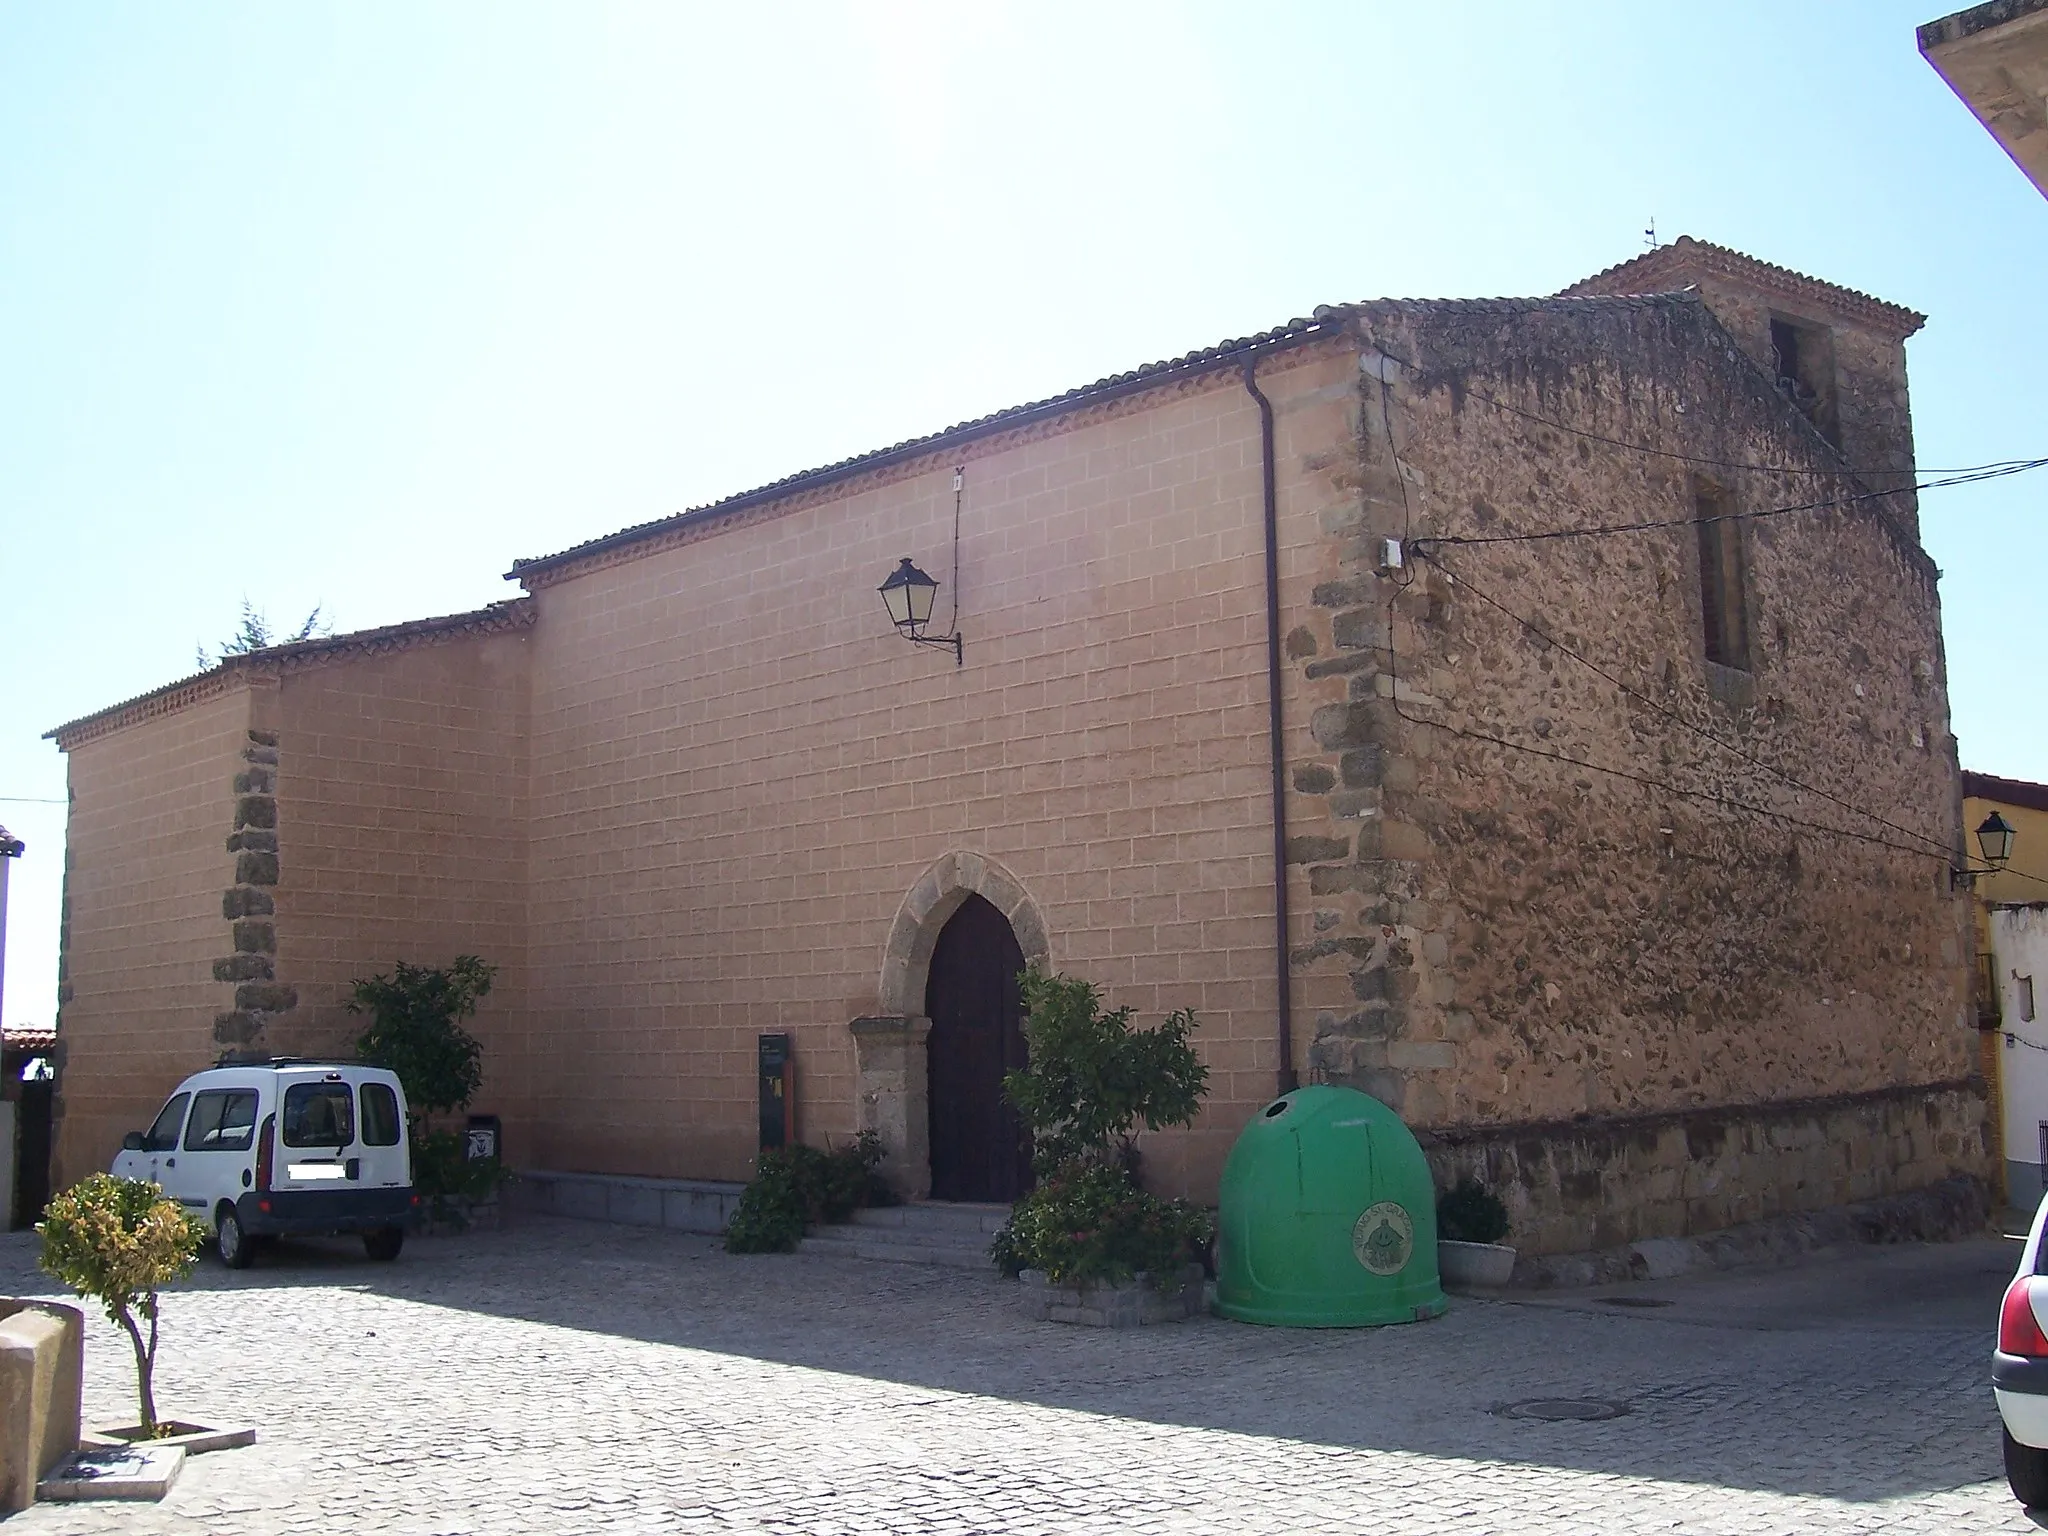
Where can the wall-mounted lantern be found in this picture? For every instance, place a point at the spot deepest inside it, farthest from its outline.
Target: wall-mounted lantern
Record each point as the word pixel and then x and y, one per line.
pixel 910 595
pixel 1994 842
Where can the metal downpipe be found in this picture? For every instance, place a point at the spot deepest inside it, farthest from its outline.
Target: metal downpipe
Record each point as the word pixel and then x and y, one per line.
pixel 1286 1076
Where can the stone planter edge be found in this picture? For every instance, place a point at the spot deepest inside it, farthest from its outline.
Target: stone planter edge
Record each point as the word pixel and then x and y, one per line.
pixel 1134 1303
pixel 1474 1264
pixel 195 1438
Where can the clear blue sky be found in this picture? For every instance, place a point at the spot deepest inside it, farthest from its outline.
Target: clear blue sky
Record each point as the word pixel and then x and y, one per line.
pixel 353 304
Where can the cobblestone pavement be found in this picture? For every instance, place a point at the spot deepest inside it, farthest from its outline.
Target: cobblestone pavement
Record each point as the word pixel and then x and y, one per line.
pixel 563 1377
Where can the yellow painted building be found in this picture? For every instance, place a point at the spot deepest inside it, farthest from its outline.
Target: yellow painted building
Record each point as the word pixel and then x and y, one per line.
pixel 2023 881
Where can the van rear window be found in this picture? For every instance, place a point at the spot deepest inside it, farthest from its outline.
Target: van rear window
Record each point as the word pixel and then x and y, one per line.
pixel 380 1115
pixel 319 1115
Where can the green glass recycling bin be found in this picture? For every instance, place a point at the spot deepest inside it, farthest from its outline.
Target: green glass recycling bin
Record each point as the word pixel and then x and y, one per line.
pixel 1328 1217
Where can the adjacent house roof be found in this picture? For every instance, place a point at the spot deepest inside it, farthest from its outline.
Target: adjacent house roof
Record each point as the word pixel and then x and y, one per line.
pixel 274 660
pixel 1684 260
pixel 27 1037
pixel 1984 786
pixel 1995 56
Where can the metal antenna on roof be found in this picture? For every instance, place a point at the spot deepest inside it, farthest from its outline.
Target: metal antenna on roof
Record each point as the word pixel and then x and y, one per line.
pixel 1650 235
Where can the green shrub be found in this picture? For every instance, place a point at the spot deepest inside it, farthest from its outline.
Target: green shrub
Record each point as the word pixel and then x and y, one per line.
pixel 119 1241
pixel 447 1179
pixel 1092 1079
pixel 796 1188
pixel 415 1029
pixel 1471 1213
pixel 1093 1222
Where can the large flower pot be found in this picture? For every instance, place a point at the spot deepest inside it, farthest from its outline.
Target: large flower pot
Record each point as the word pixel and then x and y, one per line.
pixel 1467 1264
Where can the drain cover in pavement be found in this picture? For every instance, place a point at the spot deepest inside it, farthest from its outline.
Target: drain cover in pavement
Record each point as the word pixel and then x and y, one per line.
pixel 1635 1301
pixel 1557 1410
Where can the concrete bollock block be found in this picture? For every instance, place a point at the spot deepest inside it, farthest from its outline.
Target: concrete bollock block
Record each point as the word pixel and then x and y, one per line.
pixel 42 1381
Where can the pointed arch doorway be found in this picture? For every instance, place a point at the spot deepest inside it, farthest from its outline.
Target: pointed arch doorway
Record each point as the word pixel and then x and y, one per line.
pixel 978 1147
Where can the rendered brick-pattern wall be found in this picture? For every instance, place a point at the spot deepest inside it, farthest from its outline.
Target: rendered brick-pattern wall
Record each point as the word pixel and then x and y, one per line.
pixel 401 830
pixel 739 771
pixel 152 805
pixel 1529 940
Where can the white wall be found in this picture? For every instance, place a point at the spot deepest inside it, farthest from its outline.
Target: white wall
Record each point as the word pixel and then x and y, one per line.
pixel 2019 951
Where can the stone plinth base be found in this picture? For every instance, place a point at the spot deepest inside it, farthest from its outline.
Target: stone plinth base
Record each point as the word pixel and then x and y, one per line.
pixel 682 1205
pixel 1133 1304
pixel 1592 1185
pixel 42 1380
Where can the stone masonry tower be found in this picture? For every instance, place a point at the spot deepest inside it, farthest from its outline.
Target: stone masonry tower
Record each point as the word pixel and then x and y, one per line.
pixel 1838 354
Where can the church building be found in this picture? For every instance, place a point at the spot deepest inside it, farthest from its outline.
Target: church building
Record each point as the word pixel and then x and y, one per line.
pixel 1531 712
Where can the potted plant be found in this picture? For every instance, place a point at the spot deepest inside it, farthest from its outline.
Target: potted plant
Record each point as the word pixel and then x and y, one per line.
pixel 1092 1247
pixel 1090 1243
pixel 120 1241
pixel 1470 1223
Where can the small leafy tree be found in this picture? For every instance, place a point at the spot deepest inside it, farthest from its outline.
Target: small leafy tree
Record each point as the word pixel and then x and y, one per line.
pixel 119 1241
pixel 255 634
pixel 415 1029
pixel 1093 1079
pixel 1092 1082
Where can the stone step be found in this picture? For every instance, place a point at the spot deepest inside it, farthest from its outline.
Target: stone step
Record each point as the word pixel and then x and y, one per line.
pixel 886 1246
pixel 935 1216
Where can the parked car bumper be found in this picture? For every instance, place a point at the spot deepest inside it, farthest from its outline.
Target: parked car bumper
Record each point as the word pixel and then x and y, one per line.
pixel 307 1211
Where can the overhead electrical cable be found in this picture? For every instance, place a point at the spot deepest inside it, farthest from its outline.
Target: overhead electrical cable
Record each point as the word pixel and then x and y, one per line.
pixel 1858 471
pixel 1934 845
pixel 1604 530
pixel 1708 796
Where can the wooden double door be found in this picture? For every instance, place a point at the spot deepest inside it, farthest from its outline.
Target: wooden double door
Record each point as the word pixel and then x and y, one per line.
pixel 978 1145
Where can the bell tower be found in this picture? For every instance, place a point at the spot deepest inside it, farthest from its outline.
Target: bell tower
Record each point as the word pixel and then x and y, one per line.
pixel 1838 355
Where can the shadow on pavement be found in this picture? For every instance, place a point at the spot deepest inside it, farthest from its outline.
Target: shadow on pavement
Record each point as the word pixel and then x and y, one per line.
pixel 1859 1378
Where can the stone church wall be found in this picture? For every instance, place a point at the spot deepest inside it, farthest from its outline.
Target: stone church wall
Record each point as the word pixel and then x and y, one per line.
pixel 146 863
pixel 401 787
pixel 1529 941
pixel 740 772
pixel 1549 899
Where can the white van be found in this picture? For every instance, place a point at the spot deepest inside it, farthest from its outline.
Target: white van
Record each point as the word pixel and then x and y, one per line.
pixel 264 1148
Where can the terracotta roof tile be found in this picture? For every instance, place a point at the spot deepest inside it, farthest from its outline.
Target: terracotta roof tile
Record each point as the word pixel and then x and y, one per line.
pixel 1327 321
pixel 1985 786
pixel 514 613
pixel 1668 266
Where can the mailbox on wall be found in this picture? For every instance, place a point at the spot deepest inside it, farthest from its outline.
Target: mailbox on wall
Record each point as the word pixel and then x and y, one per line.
pixel 484 1138
pixel 778 1092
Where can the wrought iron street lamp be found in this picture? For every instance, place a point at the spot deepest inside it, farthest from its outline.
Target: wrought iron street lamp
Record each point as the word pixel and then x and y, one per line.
pixel 1994 842
pixel 910 595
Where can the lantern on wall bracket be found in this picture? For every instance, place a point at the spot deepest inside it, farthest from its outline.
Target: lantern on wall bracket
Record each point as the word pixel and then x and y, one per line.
pixel 1994 842
pixel 910 596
